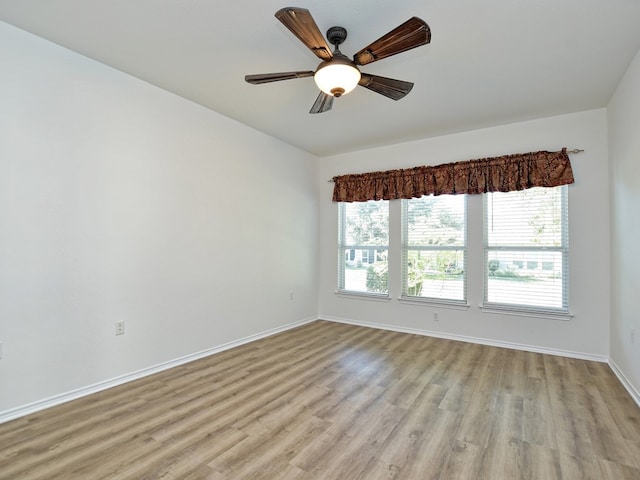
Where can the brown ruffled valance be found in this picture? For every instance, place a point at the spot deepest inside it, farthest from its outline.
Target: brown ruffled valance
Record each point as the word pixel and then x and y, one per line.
pixel 497 174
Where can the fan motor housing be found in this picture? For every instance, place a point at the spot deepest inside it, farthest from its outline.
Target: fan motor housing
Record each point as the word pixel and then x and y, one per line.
pixel 336 35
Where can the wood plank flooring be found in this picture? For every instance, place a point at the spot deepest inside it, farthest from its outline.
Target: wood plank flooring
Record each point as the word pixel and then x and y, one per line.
pixel 334 401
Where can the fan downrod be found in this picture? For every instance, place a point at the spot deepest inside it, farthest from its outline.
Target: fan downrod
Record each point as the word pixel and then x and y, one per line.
pixel 336 35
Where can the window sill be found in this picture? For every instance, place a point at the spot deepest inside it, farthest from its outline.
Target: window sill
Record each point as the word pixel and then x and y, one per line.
pixel 526 312
pixel 374 297
pixel 434 302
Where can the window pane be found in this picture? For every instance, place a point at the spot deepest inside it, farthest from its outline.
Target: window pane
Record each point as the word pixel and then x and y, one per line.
pixel 436 221
pixel 435 274
pixel 531 278
pixel 527 218
pixel 367 276
pixel 367 223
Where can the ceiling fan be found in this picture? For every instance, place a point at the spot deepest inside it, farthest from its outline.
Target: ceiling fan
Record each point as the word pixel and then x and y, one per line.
pixel 337 75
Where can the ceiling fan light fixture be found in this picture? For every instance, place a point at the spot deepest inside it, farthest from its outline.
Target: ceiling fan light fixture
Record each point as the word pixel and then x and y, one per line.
pixel 337 78
pixel 337 74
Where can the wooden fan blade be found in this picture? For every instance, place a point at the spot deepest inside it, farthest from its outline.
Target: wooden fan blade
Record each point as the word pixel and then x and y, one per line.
pixel 300 22
pixel 389 87
pixel 323 103
pixel 275 77
pixel 411 34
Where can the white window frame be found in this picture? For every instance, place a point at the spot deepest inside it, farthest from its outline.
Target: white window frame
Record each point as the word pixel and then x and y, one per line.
pixel 406 248
pixel 561 312
pixel 344 249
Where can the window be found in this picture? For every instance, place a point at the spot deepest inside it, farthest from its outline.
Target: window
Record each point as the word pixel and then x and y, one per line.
pixel 434 247
pixel 363 246
pixel 526 249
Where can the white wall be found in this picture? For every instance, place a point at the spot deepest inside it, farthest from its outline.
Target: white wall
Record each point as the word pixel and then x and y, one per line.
pixel 115 205
pixel 586 333
pixel 122 202
pixel 624 151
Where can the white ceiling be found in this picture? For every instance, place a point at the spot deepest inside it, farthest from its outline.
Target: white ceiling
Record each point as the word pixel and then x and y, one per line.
pixel 489 62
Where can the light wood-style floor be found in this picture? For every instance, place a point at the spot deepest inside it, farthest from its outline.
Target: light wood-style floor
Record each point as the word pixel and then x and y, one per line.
pixel 334 401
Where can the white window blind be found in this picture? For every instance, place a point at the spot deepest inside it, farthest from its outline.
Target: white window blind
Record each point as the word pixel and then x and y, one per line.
pixel 526 249
pixel 363 247
pixel 434 247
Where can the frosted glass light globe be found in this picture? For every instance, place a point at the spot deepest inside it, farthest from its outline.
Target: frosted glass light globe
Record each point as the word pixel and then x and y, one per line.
pixel 337 78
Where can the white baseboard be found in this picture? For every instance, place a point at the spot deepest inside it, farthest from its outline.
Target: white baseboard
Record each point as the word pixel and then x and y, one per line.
pixel 625 382
pixel 34 407
pixel 464 338
pixel 97 387
pixel 635 394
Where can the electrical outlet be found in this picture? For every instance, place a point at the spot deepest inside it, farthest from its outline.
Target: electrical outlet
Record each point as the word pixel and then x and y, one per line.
pixel 435 316
pixel 119 328
pixel 291 295
pixel 632 334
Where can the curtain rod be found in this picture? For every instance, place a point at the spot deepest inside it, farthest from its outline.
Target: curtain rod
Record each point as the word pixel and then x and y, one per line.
pixel 575 150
